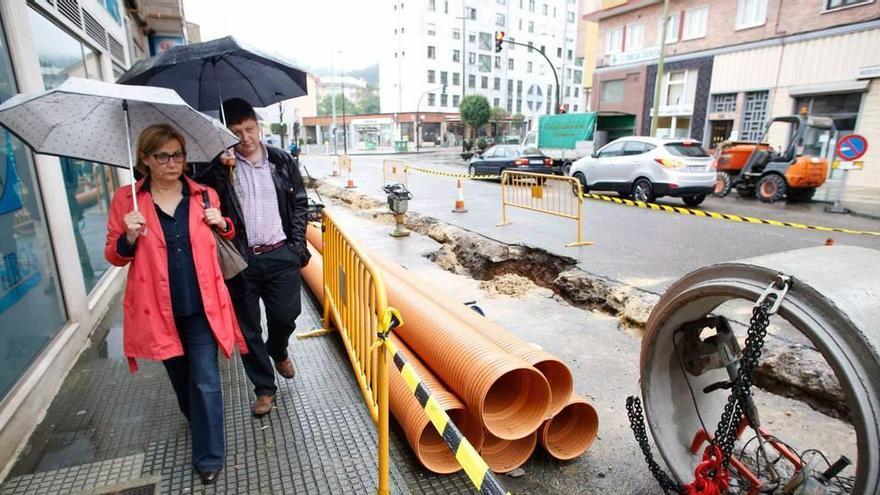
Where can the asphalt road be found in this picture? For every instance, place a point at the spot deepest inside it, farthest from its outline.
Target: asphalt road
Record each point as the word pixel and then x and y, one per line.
pixel 643 248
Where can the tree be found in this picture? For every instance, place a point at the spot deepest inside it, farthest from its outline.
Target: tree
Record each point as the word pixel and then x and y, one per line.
pixel 497 115
pixel 370 102
pixel 474 111
pixel 325 106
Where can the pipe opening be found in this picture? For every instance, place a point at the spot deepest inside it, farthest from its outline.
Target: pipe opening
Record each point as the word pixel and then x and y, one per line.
pixel 561 384
pixel 504 456
pixel 432 450
pixel 516 404
pixel 571 432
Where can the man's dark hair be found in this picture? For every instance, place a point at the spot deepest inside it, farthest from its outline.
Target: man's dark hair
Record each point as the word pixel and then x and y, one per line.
pixel 237 111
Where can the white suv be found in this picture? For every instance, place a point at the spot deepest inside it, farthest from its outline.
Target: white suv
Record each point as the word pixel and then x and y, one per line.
pixel 648 168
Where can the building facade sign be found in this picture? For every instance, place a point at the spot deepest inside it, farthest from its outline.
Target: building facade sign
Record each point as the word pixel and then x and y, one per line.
pixel 634 56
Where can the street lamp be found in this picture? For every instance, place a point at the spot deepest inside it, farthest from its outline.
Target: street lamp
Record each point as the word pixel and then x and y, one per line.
pixel 418 123
pixel 463 69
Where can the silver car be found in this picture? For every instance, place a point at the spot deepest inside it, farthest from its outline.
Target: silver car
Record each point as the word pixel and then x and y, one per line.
pixel 646 168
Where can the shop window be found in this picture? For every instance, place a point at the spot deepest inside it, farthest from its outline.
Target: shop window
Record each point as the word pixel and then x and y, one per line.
pixel 724 102
pixel 89 185
pixel 751 13
pixel 679 88
pixel 31 306
pixel 612 91
pixel 754 115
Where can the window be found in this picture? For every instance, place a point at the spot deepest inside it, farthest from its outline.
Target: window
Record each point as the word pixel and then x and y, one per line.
pixel 455 79
pixel 671 29
pixel 675 82
pixel 632 148
pixel 695 23
pixel 497 85
pixel 510 46
pixel 579 61
pixel 567 91
pixel 577 91
pixel 456 34
pixel 501 2
pixel 497 62
pixel 570 54
pixel 31 308
pixel 472 13
pixel 613 149
pixel 836 4
pixel 569 16
pixel 530 46
pixel 510 64
pixel 529 67
pixel 472 37
pixel 432 29
pixel 559 52
pixel 545 9
pixel 614 41
pixel 431 52
pixel 496 102
pixel 486 41
pixel 686 150
pixel 724 102
pixel 472 81
pixel 568 73
pixel 612 91
pixel 635 37
pixel 531 5
pixel 472 58
pixel 61 56
pixel 510 88
pixel 500 20
pixel 432 5
pixel 531 26
pixel 578 77
pixel 455 100
pixel 431 76
pixel 751 13
pixel 444 99
pixel 484 82
pixel 431 99
pixel 519 105
pixel 444 77
pixel 519 87
pixel 509 105
pixel 446 7
pixel 485 63
pixel 456 55
pixel 754 114
pixel 520 24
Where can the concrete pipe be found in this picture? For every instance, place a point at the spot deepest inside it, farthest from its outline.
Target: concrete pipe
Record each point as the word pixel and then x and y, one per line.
pixel 571 432
pixel 510 397
pixel 834 301
pixel 503 456
pixel 429 447
pixel 554 370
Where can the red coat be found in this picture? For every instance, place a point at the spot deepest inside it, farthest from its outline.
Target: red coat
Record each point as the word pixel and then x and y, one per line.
pixel 149 331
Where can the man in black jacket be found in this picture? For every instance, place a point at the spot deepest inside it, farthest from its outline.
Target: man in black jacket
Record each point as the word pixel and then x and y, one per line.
pixel 262 191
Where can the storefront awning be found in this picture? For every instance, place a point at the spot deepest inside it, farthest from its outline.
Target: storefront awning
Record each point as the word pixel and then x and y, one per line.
pixel 829 88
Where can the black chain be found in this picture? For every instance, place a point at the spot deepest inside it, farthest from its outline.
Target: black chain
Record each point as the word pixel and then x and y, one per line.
pixel 637 423
pixel 725 435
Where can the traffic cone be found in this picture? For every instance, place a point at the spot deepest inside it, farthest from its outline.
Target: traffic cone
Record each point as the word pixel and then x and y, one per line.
pixel 334 170
pixel 829 242
pixel 350 184
pixel 459 199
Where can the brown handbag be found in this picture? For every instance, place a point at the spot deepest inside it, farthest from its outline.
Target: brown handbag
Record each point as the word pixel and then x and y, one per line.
pixel 231 261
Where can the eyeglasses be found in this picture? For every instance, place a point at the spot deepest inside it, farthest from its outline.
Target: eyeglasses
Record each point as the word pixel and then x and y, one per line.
pixel 164 158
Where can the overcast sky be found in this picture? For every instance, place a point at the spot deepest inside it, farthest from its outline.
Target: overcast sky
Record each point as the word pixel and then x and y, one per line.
pixel 306 31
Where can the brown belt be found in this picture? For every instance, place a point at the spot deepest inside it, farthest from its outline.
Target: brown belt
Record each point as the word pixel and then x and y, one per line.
pixel 266 248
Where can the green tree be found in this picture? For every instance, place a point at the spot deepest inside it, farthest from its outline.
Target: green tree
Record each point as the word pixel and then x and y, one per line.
pixel 370 102
pixel 497 115
pixel 325 105
pixel 474 111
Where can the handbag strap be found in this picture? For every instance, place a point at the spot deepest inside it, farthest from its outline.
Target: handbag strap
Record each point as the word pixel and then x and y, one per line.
pixel 206 201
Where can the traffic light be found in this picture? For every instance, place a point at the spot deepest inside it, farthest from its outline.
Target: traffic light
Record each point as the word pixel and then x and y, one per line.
pixel 499 38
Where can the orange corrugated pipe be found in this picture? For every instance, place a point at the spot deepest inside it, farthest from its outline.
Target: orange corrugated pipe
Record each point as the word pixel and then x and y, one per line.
pixel 426 442
pixel 314 236
pixel 572 431
pixel 510 397
pixel 555 371
pixel 313 273
pixel 504 456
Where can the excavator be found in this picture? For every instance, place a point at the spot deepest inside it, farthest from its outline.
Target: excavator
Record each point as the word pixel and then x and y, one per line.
pixel 755 169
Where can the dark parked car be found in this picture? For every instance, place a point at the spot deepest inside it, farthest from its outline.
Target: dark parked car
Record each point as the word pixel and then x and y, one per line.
pixel 506 156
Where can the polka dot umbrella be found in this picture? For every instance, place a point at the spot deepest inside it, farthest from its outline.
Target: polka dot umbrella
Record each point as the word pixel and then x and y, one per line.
pixel 99 122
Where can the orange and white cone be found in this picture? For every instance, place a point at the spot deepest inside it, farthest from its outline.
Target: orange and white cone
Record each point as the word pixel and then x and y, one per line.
pixel 334 170
pixel 459 199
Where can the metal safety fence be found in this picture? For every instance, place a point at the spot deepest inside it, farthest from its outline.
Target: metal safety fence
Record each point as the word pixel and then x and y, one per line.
pixel 394 171
pixel 549 194
pixel 355 303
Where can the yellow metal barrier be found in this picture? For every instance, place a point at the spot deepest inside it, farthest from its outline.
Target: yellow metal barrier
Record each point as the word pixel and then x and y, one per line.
pixel 356 304
pixel 394 171
pixel 551 194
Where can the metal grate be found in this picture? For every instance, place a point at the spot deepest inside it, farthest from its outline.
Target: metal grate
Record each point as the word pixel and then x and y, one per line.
pixel 70 10
pixel 724 102
pixel 754 115
pixel 116 49
pixel 95 30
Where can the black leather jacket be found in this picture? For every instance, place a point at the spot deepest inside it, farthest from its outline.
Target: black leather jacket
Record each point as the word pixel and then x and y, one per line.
pixel 293 201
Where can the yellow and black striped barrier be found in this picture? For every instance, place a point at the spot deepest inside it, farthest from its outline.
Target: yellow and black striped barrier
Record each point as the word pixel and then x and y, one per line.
pixel 454 175
pixel 723 216
pixel 474 466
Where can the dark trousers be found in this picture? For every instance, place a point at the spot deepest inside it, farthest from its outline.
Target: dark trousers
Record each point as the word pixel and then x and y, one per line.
pixel 195 377
pixel 273 277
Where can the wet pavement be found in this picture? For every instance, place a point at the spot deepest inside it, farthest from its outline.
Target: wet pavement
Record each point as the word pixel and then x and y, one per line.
pixel 108 431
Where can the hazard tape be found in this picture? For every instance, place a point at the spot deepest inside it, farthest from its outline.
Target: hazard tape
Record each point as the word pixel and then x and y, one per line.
pixel 452 174
pixel 724 216
pixel 465 453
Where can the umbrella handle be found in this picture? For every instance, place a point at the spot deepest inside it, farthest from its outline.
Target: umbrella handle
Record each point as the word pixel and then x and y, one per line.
pixel 130 159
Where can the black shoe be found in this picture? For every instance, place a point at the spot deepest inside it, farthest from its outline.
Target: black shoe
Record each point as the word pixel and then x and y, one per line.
pixel 209 477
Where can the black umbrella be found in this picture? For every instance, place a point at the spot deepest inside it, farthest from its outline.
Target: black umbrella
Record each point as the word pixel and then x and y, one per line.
pixel 205 74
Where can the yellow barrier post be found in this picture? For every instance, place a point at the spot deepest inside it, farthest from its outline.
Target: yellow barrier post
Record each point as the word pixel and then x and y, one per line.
pixel 542 193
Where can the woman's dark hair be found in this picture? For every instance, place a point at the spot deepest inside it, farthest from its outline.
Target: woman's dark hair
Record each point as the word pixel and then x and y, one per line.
pixel 237 111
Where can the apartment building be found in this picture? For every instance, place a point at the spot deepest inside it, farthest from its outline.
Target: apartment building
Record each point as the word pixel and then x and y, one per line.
pixel 55 285
pixel 436 44
pixel 733 64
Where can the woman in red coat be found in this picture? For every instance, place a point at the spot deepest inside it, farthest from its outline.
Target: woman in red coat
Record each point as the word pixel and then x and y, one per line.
pixel 176 309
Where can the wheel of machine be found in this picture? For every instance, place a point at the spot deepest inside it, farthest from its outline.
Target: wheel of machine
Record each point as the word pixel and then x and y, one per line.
pixel 694 200
pixel 723 184
pixel 745 191
pixel 771 188
pixel 583 180
pixel 804 194
pixel 643 190
pixel 834 301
